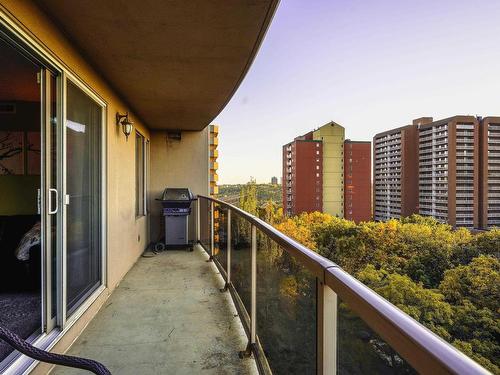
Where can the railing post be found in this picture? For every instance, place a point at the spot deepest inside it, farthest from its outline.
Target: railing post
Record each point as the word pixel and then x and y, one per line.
pixel 228 260
pixel 253 298
pixel 198 220
pixel 253 313
pixel 211 231
pixel 327 330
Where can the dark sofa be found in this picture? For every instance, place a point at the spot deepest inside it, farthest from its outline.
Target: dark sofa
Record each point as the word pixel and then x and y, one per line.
pixel 16 275
pixel 20 292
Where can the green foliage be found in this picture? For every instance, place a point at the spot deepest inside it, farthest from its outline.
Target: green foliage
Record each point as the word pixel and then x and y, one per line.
pixel 449 280
pixel 467 348
pixel 270 212
pixel 248 197
pixel 488 243
pixel 264 193
pixel 478 282
pixel 424 305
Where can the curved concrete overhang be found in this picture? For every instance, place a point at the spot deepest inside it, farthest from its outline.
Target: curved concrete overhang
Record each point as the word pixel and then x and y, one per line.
pixel 175 63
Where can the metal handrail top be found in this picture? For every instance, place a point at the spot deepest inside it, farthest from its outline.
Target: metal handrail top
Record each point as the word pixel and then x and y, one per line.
pixel 423 349
pixel 314 262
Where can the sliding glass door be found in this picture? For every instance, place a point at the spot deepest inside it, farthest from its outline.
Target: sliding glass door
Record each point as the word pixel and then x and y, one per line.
pixel 21 247
pixel 52 146
pixel 83 196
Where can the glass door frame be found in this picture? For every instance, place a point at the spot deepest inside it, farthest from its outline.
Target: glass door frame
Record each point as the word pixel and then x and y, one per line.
pixel 65 320
pixel 54 329
pixel 49 200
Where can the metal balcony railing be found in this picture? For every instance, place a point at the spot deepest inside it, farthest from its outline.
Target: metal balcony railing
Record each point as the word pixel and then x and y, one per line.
pixel 303 314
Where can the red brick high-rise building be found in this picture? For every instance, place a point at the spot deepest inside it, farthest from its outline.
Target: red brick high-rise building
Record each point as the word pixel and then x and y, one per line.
pixel 302 175
pixel 323 172
pixel 357 181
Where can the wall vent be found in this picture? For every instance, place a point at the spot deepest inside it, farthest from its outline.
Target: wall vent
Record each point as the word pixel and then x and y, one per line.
pixel 174 135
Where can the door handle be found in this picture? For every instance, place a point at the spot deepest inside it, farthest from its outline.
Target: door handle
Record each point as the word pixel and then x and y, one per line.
pixel 52 212
pixel 39 202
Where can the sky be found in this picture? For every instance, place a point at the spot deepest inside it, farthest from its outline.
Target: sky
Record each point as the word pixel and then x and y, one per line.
pixel 367 65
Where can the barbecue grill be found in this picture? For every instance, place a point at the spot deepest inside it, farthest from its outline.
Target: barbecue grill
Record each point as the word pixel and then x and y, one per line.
pixel 176 207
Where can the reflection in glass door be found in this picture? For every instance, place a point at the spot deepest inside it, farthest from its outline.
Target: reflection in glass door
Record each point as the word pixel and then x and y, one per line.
pixel 21 248
pixel 83 199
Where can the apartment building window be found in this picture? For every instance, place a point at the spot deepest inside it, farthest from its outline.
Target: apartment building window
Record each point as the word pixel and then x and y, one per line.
pixel 140 175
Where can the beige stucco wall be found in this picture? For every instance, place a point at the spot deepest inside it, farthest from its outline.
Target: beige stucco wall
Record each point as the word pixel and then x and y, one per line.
pixel 332 136
pixel 178 163
pixel 126 236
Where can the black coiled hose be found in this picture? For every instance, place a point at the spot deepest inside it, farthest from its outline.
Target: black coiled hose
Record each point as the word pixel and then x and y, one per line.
pixel 57 359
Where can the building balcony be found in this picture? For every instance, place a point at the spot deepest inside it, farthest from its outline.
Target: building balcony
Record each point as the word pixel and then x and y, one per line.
pixel 464 195
pixel 214 129
pixel 461 146
pixel 468 208
pixel 214 141
pixel 166 313
pixel 167 319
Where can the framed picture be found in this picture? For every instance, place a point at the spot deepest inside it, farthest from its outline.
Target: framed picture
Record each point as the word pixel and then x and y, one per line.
pixel 33 153
pixel 11 153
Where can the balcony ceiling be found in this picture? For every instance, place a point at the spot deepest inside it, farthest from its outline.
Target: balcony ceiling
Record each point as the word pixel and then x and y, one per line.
pixel 175 63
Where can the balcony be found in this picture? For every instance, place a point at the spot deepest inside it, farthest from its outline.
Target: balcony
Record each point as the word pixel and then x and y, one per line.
pixel 292 331
pixel 214 141
pixel 167 316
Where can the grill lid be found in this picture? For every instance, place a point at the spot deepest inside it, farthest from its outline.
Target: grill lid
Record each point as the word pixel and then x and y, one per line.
pixel 177 195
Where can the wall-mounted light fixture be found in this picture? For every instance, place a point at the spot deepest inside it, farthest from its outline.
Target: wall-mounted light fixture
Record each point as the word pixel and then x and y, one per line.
pixel 125 123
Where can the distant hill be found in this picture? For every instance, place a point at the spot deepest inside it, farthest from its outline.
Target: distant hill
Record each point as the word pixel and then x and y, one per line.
pixel 231 193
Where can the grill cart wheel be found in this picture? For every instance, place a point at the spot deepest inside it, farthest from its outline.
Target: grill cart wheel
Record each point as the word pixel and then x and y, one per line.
pixel 159 246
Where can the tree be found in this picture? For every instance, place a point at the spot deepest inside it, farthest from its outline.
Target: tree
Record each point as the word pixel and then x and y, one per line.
pixel 248 197
pixel 271 212
pixel 447 279
pixel 488 243
pixel 478 282
pixel 302 227
pixel 424 305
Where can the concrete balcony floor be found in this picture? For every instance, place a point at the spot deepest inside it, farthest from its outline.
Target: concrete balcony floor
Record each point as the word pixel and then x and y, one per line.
pixel 167 316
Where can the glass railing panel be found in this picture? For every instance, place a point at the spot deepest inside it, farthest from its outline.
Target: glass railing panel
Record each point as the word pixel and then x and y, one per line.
pixel 361 351
pixel 286 310
pixel 241 233
pixel 220 235
pixel 205 223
